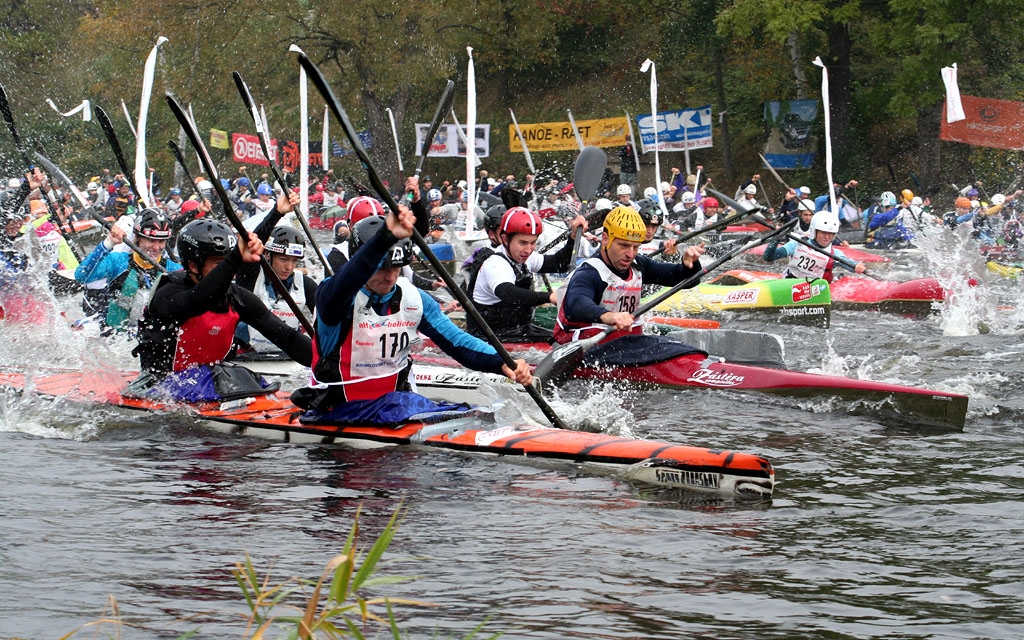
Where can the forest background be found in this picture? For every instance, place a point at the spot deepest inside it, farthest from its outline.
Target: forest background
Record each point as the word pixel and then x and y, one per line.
pixel 538 57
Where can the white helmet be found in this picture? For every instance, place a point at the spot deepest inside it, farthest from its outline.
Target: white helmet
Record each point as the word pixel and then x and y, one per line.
pixel 825 221
pixel 624 190
pixel 750 189
pixel 888 199
pixel 806 205
pixel 975 203
pixel 665 187
pixel 688 197
pixel 92 186
pixel 433 195
pixel 603 204
pixel 805 190
pixel 650 193
pixel 916 201
pixel 998 199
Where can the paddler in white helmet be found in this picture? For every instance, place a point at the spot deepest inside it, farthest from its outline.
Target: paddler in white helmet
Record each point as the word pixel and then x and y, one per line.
pixel 805 262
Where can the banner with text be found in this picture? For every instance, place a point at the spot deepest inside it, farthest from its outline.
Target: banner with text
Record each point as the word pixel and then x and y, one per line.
pixel 989 123
pixel 678 130
pixel 448 143
pixel 219 139
pixel 245 149
pixel 558 136
pixel 788 126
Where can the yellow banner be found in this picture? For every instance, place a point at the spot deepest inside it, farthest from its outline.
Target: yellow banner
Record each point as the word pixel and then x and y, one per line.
pixel 219 139
pixel 558 136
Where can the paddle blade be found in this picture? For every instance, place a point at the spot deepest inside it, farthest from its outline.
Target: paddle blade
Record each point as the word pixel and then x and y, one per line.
pixel 559 364
pixel 590 166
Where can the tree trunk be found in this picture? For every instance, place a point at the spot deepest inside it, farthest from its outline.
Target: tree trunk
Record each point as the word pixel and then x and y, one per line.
pixel 728 166
pixel 929 156
pixel 796 57
pixel 840 99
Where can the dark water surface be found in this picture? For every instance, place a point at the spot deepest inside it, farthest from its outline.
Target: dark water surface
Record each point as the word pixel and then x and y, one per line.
pixel 877 530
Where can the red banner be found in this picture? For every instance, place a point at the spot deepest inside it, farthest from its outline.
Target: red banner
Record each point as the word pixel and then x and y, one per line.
pixel 246 149
pixel 989 123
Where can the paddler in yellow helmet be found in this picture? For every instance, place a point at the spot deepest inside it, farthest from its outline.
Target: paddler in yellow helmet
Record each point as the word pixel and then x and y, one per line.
pixel 605 289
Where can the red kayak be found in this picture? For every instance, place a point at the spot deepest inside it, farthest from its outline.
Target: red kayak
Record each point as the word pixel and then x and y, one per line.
pixel 274 416
pixel 857 255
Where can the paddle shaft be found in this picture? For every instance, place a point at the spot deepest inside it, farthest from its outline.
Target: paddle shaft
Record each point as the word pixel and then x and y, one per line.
pixel 711 227
pixel 204 157
pixel 444 105
pixel 86 206
pixel 332 101
pixel 262 134
pixel 108 131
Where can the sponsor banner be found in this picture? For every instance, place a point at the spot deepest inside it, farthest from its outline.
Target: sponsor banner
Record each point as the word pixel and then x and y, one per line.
pixel 448 143
pixel 245 149
pixel 344 147
pixel 291 156
pixel 989 123
pixel 219 139
pixel 789 125
pixel 558 136
pixel 678 130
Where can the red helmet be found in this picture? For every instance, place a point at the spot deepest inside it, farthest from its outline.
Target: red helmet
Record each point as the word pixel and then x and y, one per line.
pixel 189 205
pixel 709 202
pixel 521 220
pixel 363 207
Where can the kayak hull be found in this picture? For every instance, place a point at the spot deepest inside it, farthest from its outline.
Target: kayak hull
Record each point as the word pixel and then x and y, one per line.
pixel 729 473
pixel 791 300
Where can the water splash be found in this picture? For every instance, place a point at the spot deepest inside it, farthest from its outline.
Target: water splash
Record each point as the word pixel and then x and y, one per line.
pixel 969 307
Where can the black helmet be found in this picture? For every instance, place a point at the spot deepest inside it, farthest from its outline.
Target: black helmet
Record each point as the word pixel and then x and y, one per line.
pixel 286 241
pixel 400 254
pixel 650 212
pixel 492 219
pixel 341 231
pixel 154 224
pixel 202 239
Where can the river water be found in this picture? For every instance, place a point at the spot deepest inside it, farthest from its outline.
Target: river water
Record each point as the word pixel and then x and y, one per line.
pixel 876 530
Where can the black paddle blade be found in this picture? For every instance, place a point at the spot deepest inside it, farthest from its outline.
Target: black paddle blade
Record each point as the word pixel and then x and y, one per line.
pixel 559 364
pixel 590 166
pixel 5 109
pixel 443 107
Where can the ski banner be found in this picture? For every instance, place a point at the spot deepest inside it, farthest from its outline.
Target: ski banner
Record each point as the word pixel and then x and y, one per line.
pixel 245 148
pixel 789 139
pixel 448 144
pixel 559 136
pixel 678 130
pixel 988 123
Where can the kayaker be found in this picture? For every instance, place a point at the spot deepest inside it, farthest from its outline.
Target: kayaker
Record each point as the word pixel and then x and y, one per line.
pixel 605 289
pixel 286 247
pixel 126 277
pixel 367 319
pixel 887 230
pixel 500 280
pixel 651 215
pixel 805 262
pixel 188 327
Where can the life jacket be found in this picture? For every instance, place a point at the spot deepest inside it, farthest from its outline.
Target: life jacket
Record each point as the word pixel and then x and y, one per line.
pixel 619 295
pixel 277 305
pixel 373 359
pixel 125 301
pixel 502 318
pixel 808 263
pixel 205 339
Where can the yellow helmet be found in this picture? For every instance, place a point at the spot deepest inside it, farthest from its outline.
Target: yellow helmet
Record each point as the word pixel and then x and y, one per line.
pixel 624 223
pixel 908 195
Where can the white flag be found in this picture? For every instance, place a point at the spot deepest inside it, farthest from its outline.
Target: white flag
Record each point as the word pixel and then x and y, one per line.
pixel 954 108
pixel 85 108
pixel 828 135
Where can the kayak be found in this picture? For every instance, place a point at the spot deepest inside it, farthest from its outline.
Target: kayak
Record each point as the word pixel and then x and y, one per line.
pixel 272 416
pixel 857 255
pixel 791 300
pixel 1004 269
pixel 916 297
pixel 901 403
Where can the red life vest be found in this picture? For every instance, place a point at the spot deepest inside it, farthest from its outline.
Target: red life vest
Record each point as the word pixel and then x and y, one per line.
pixel 619 295
pixel 205 339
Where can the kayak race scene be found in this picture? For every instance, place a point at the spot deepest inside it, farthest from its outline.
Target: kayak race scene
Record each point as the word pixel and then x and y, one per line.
pixel 462 320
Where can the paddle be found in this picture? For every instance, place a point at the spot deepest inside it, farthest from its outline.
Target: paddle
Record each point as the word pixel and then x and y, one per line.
pixel 563 360
pixel 108 131
pixel 453 287
pixel 63 179
pixel 586 177
pixel 264 137
pixel 204 157
pixel 444 105
pixel 684 237
pixel 5 110
pixel 761 220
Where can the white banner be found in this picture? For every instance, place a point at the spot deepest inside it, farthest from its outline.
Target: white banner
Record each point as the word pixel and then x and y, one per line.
pixel 448 143
pixel 85 108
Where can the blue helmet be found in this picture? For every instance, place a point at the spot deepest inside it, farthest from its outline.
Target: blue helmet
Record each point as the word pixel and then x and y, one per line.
pixel 243 182
pixel 265 190
pixel 175 191
pixel 225 183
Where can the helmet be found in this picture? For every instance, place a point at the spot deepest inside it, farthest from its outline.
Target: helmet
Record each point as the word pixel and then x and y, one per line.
pixel 603 204
pixel 975 204
pixel 907 195
pixel 624 223
pixel 650 193
pixel 825 221
pixel 973 193
pixel 709 202
pixel 492 219
pixel 201 239
pixel 665 187
pixel 92 186
pixel 189 205
pixel 433 195
pixel 426 179
pixel 888 199
pixel 363 207
pixel 225 183
pixel 916 201
pixel 962 203
pixel 521 220
pixel 339 226
pixel 264 189
pixel 400 254
pixel 806 205
pixel 750 189
pixel 153 224
pixel 243 182
pixel 688 197
pixel 998 199
pixel 805 190
pixel 286 241
pixel 624 190
pixel 175 191
pixel 650 213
